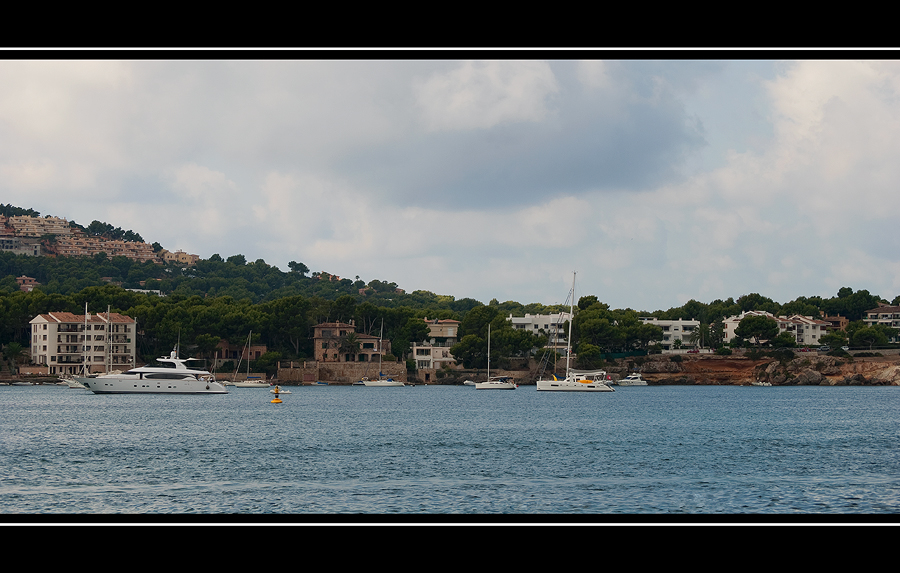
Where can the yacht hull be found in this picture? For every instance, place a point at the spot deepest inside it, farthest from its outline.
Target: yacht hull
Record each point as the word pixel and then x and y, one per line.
pixel 130 385
pixel 495 386
pixel 382 383
pixel 572 386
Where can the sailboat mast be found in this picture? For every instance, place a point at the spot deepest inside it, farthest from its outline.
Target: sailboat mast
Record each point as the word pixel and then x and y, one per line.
pixel 108 340
pixel 489 353
pixel 571 319
pixel 84 344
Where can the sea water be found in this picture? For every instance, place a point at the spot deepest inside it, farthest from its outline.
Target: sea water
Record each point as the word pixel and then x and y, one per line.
pixel 445 450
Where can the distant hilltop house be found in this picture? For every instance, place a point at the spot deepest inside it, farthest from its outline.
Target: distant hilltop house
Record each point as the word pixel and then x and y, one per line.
pixel 179 257
pixel 27 284
pixel 434 353
pixel 63 342
pixel 339 342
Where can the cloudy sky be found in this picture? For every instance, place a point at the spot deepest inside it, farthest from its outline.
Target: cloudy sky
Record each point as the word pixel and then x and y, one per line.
pixel 657 181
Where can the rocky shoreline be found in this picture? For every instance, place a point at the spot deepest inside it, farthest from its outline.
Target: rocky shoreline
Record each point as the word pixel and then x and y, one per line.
pixel 801 370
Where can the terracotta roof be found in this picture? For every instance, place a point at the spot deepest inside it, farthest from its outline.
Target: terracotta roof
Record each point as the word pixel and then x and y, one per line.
pixel 885 309
pixel 68 317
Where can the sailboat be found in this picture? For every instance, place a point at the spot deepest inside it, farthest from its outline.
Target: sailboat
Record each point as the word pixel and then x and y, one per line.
pixel 574 381
pixel 248 382
pixel 497 382
pixel 381 380
pixel 69 379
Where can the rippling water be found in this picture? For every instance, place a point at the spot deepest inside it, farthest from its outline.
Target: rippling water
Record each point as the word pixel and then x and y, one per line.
pixel 440 450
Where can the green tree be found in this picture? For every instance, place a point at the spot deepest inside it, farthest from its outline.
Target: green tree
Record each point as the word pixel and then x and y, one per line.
pixel 870 336
pixel 784 340
pixel 757 327
pixel 834 339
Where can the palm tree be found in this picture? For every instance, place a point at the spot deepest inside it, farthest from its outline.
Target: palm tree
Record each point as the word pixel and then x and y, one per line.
pixel 349 344
pixel 13 352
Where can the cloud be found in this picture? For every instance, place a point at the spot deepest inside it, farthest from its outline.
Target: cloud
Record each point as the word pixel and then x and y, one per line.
pixel 481 95
pixel 657 181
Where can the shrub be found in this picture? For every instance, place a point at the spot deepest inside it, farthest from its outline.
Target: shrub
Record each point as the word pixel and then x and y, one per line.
pixel 724 351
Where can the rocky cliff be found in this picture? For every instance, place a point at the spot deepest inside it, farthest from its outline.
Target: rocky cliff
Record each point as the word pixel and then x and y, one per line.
pixel 801 370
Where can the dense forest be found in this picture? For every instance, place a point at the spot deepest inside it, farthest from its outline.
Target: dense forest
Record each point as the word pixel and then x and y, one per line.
pixel 225 298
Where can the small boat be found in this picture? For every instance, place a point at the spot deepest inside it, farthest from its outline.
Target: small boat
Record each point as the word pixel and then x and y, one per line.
pixel 381 380
pixel 497 382
pixel 760 383
pixel 632 380
pixel 279 390
pixel 468 383
pixel 250 381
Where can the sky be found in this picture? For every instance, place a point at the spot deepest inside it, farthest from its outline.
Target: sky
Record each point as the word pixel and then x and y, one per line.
pixel 655 180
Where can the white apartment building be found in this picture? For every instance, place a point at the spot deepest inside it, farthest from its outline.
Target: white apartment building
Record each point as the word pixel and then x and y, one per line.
pixel 434 353
pixel 550 325
pixel 62 342
pixel 674 330
pixel 806 330
pixel 886 315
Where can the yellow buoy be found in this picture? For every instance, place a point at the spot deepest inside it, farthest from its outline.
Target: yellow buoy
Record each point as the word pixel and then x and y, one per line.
pixel 276 400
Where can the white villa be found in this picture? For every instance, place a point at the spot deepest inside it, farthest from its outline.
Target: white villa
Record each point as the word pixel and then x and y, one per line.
pixel 434 353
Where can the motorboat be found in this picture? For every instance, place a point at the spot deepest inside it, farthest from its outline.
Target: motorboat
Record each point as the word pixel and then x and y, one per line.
pixel 497 383
pixel 632 380
pixel 250 383
pixel 70 381
pixel 468 383
pixel 171 375
pixel 279 390
pixel 760 383
pixel 381 382
pixel 574 381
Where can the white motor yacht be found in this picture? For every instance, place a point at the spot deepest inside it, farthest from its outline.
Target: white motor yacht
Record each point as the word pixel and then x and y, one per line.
pixel 170 376
pixel 632 380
